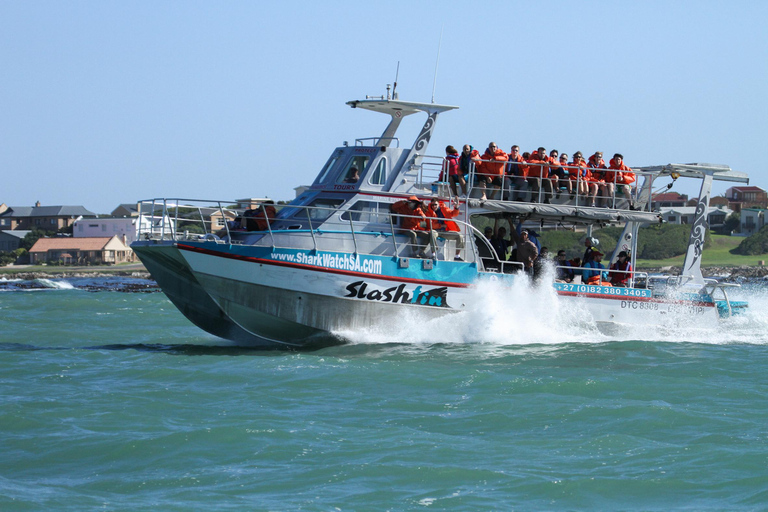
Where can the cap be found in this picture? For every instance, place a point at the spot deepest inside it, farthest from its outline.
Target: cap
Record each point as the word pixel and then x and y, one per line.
pixel 413 198
pixel 595 252
pixel 623 253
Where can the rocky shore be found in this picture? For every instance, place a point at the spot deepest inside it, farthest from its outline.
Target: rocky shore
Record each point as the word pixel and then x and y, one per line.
pixel 139 274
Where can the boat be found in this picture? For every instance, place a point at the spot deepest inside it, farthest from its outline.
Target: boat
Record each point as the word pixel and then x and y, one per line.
pixel 336 259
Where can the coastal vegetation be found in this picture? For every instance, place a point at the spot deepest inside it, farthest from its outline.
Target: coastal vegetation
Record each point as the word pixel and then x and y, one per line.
pixel 657 242
pixel 754 244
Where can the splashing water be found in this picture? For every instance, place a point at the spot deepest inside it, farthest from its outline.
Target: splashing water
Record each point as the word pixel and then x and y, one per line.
pixel 523 313
pixel 57 285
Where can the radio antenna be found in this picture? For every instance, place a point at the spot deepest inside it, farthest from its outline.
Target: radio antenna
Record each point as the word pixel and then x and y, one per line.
pixel 397 74
pixel 439 44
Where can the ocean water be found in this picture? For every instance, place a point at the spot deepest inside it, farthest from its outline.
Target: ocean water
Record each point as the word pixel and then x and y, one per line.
pixel 114 401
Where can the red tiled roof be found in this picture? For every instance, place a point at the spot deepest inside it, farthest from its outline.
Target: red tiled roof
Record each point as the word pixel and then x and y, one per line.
pixel 748 189
pixel 670 196
pixel 66 243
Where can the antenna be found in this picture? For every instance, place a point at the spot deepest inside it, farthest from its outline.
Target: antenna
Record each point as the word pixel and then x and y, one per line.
pixel 397 74
pixel 439 44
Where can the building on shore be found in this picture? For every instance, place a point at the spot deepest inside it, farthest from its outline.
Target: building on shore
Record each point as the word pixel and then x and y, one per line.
pixel 81 251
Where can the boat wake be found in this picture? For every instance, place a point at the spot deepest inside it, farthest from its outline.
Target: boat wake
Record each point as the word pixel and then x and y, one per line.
pixel 532 314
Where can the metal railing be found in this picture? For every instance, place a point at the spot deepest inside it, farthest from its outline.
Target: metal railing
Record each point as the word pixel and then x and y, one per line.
pixel 361 142
pixel 534 187
pixel 633 275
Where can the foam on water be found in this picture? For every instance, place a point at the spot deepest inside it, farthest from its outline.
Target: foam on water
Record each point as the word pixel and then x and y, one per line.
pixel 57 284
pixel 524 313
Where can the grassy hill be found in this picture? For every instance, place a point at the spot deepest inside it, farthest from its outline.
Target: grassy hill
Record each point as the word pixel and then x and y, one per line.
pixel 717 255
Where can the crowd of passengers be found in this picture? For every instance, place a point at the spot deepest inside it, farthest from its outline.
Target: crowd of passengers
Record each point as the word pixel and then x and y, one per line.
pixel 424 222
pixel 522 246
pixel 538 171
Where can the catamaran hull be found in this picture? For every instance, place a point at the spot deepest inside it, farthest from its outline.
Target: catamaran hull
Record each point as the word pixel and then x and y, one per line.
pixel 166 265
pixel 304 308
pixel 269 304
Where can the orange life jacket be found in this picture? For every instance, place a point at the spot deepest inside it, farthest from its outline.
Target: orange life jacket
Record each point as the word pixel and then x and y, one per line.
pixel 435 221
pixel 402 208
pixel 492 164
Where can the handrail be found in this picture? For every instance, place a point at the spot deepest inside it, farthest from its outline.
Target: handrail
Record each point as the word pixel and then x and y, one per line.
pixel 228 235
pixel 633 274
pixel 378 141
pixel 512 183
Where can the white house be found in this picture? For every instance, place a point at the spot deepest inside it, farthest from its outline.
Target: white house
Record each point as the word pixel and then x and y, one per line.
pixel 716 215
pixel 752 219
pixel 126 228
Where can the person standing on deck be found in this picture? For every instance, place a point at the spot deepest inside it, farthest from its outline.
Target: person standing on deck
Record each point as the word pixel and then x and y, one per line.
pixel 591 245
pixel 527 252
pixel 499 243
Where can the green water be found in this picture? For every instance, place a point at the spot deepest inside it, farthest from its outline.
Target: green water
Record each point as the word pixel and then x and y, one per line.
pixel 114 401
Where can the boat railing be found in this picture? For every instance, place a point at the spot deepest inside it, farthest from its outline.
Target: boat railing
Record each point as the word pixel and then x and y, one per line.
pixel 544 183
pixel 334 235
pixel 661 283
pixel 377 141
pixel 179 218
pixel 633 277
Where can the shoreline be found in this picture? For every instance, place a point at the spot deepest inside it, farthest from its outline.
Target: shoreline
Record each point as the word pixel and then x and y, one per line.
pixel 28 272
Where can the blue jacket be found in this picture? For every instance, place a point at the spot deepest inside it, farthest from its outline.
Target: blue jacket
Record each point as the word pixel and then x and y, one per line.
pixel 586 275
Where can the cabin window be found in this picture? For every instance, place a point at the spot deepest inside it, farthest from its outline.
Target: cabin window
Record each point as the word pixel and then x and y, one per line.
pixel 367 211
pixel 319 209
pixel 328 166
pixel 354 169
pixel 379 175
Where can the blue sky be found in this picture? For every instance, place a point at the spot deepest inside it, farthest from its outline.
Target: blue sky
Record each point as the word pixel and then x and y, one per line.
pixel 107 102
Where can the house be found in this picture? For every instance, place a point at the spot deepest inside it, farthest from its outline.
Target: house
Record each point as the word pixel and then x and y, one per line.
pixel 668 200
pixel 51 218
pixel 126 210
pixel 81 251
pixel 685 214
pixel 251 202
pixel 218 219
pixel 11 240
pixel 752 219
pixel 746 197
pixel 124 227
